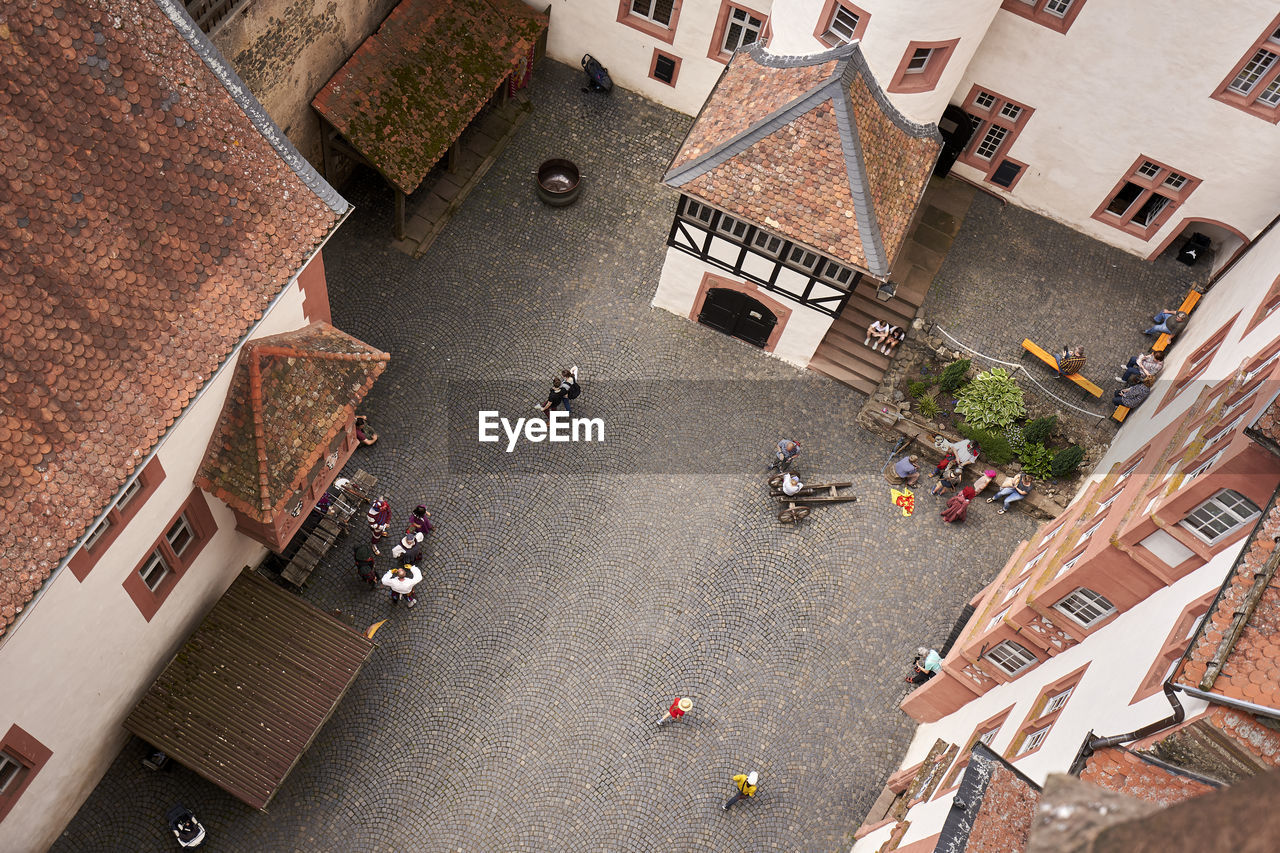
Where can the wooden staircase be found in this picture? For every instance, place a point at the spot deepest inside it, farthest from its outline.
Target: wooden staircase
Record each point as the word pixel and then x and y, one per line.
pixel 841 354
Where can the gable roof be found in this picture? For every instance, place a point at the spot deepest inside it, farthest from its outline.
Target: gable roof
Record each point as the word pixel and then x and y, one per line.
pixel 412 87
pixel 152 213
pixel 291 396
pixel 1144 777
pixel 812 149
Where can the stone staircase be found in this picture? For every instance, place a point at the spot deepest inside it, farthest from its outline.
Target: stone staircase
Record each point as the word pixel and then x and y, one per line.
pixel 841 354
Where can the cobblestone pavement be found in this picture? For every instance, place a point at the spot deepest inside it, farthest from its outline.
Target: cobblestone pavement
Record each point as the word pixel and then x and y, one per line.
pixel 1013 274
pixel 571 591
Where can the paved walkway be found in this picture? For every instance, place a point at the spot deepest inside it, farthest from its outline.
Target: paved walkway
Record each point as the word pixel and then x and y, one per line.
pixel 1013 274
pixel 571 591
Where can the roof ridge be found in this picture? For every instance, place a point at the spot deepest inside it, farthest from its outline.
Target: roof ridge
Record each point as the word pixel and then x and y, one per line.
pixel 856 169
pixel 259 429
pixel 213 59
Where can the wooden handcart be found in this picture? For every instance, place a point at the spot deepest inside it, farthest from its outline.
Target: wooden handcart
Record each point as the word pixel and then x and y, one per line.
pixel 799 505
pixel 344 504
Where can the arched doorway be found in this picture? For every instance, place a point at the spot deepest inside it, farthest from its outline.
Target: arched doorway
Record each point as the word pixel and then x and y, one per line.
pixel 739 315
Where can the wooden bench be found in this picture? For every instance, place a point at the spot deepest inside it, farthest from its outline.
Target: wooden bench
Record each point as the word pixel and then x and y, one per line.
pixel 1120 414
pixel 1162 342
pixel 1034 349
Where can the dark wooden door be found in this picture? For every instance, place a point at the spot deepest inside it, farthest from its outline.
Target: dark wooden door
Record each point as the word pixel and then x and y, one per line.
pixel 739 315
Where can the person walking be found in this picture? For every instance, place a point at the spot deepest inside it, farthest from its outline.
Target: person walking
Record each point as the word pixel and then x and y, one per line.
pixel 906 469
pixel 1142 366
pixel 1012 490
pixel 785 455
pixel 1167 322
pixel 747 784
pixel 569 383
pixel 555 397
pixel 420 521
pixel 401 583
pixel 408 551
pixel 364 564
pixel 379 518
pixel 679 707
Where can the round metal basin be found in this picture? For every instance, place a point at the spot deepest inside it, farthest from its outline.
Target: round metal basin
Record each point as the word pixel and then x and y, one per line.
pixel 559 182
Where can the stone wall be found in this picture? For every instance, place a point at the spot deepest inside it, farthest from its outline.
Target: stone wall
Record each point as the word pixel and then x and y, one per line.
pixel 286 50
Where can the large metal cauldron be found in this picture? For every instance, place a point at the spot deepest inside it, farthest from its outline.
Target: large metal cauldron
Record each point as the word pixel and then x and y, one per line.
pixel 559 182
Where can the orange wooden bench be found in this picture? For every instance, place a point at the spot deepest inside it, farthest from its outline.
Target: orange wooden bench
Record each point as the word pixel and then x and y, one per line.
pixel 1162 342
pixel 1038 352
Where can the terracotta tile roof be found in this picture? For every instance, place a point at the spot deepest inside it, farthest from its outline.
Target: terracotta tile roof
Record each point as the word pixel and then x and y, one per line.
pixel 1242 628
pixel 811 149
pixel 1135 775
pixel 1266 427
pixel 291 396
pixel 413 86
pixel 993 807
pixel 148 220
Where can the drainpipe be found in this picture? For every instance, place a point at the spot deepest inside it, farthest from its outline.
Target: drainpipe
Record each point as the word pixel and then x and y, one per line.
pixel 1093 744
pixel 137 471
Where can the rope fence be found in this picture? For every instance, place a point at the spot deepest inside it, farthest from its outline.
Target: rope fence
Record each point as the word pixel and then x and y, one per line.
pixel 1017 366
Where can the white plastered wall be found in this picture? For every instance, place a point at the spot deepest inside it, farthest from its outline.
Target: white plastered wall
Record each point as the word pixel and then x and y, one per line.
pixel 83 656
pixel 1123 650
pixel 592 26
pixel 678 288
pixel 1103 97
pixel 892 26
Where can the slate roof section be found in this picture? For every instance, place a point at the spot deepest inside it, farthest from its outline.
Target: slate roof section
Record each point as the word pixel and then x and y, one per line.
pixel 993 808
pixel 247 694
pixel 810 148
pixel 148 223
pixel 290 397
pixel 1241 632
pixel 413 86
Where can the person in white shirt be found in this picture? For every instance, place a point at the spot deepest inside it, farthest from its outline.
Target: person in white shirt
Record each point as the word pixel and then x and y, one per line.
pixel 401 583
pixel 791 484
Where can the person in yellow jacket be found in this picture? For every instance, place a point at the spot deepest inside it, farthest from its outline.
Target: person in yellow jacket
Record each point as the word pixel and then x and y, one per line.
pixel 746 783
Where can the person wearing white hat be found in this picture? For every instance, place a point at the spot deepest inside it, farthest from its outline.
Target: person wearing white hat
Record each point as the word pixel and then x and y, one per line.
pixel 746 783
pixel 679 706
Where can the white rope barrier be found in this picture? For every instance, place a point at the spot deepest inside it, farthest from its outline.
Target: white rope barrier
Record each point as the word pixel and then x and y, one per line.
pixel 1016 366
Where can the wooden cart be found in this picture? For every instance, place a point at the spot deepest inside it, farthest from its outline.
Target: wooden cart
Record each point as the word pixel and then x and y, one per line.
pixel 799 505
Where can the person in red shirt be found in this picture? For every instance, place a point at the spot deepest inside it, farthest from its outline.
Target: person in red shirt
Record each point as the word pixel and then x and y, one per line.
pixel 679 706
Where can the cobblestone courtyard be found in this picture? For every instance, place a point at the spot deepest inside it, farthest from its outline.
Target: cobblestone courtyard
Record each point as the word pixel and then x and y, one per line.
pixel 570 591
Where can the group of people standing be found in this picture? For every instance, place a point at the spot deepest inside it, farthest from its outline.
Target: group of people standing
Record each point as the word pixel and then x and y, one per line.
pixel 564 387
pixel 401 579
pixel 949 473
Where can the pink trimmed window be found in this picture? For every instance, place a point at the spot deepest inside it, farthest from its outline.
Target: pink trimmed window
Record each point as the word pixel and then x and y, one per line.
pixel 997 121
pixel 1145 198
pixel 21 758
pixel 657 18
pixel 1174 645
pixel 841 22
pixel 1044 713
pixel 922 65
pixel 664 67
pixel 1254 84
pixel 986 732
pixel 122 511
pixel 1269 304
pixel 151 581
pixel 736 27
pixel 1057 15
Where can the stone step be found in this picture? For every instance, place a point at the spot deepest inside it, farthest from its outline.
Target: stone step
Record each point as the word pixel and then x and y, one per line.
pixel 843 373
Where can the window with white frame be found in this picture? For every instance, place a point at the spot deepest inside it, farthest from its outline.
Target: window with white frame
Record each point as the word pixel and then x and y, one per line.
pixel 919 60
pixel 1220 515
pixel 1134 467
pixel 997 619
pixel 984 100
pixel 658 11
pixel 803 258
pixel 742 29
pixel 1057 701
pixel 1031 564
pixel 1054 14
pixel 989 735
pixel 10 771
pixel 1010 657
pixel 1102 507
pixel 836 274
pixel 97 533
pixel 735 228
pixel 1089 533
pixel 698 212
pixel 1227 430
pixel 1202 467
pixel 1008 596
pixel 765 242
pixel 1066 567
pixel 1086 606
pixel 1145 198
pixel 1033 740
pixel 1257 81
pixel 991 141
pixel 154 571
pixel 1058 8
pixel 844 25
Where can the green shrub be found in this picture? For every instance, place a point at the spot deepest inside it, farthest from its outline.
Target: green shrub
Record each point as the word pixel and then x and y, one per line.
pixel 953 376
pixel 918 389
pixel 1037 460
pixel 992 400
pixel 1039 430
pixel 995 447
pixel 928 406
pixel 1067 461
